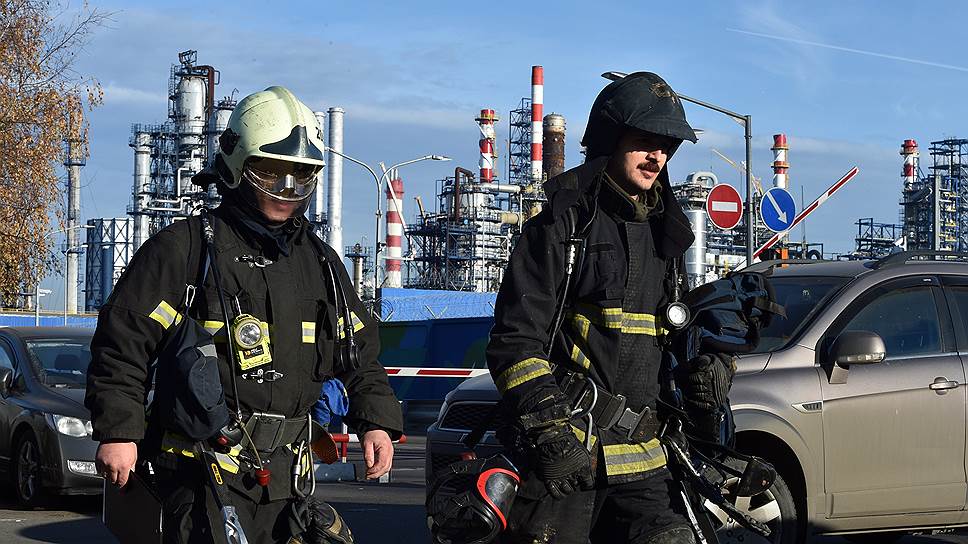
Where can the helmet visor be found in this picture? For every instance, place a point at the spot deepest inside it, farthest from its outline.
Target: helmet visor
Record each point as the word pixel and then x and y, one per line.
pixel 279 179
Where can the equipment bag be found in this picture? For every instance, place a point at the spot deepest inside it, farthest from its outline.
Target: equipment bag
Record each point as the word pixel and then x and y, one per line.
pixel 727 316
pixel 189 398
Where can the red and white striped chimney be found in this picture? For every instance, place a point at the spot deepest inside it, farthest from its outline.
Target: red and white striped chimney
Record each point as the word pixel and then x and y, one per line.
pixel 394 231
pixel 537 117
pixel 780 164
pixel 909 150
pixel 486 123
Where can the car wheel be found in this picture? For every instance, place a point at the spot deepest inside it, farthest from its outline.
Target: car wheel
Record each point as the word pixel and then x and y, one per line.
pixel 775 507
pixel 26 473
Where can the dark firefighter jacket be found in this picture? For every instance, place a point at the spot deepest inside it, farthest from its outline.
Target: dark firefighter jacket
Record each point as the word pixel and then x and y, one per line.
pixel 290 295
pixel 610 330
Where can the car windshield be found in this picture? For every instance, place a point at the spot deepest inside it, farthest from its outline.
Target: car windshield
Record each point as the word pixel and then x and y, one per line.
pixel 801 296
pixel 60 362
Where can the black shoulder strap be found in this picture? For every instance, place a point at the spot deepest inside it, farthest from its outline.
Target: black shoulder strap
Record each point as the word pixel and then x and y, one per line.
pixel 196 267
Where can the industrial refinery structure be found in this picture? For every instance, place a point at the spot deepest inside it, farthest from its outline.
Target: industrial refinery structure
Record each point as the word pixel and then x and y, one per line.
pixel 166 156
pixel 462 241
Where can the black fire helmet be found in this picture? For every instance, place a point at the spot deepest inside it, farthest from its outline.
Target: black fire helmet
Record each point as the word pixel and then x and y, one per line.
pixel 640 100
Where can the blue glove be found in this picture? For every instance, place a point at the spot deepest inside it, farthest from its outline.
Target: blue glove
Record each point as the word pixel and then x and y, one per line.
pixel 333 400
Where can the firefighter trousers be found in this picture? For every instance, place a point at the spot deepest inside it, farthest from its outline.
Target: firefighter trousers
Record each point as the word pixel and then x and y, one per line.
pixel 647 511
pixel 190 514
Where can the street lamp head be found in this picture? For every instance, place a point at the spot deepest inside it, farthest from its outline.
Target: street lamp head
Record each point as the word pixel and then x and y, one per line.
pixel 439 158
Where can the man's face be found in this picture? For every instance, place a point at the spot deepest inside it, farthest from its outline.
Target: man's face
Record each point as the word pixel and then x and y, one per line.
pixel 638 159
pixel 275 210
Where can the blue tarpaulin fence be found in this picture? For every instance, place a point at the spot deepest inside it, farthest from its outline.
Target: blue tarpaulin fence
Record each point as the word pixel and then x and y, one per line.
pixel 422 304
pixel 26 319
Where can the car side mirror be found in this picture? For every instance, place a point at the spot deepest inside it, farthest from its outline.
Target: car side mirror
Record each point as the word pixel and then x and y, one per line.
pixel 853 348
pixel 6 381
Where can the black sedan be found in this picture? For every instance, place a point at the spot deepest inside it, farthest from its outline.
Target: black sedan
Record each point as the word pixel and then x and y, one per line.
pixel 45 430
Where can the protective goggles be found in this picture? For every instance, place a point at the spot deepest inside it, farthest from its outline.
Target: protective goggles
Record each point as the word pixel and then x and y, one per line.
pixel 284 180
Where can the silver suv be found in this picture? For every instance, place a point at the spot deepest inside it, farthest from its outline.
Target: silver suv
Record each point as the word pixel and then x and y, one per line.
pixel 875 446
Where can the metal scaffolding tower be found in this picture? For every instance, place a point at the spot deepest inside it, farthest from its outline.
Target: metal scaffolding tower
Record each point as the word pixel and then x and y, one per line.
pixel 519 139
pixel 875 240
pixel 935 205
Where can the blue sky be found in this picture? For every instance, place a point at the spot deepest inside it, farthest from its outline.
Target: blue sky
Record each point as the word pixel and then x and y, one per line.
pixel 846 81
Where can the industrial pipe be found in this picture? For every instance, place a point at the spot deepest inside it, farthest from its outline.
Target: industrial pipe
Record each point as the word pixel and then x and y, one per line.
pixel 457 173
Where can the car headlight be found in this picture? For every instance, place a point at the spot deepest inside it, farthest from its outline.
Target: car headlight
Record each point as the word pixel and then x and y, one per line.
pixel 72 426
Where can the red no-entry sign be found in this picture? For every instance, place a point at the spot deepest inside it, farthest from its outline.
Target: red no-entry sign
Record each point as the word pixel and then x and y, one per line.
pixel 724 206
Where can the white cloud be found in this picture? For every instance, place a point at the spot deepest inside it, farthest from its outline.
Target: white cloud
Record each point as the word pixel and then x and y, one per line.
pixel 120 94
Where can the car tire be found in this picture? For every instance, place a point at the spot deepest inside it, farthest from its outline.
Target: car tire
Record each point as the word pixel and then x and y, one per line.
pixel 26 473
pixel 776 507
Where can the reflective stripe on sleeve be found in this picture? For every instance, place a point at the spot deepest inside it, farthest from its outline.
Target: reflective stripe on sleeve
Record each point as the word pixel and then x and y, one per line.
pixel 522 372
pixel 308 332
pixel 165 315
pixel 581 435
pixel 579 358
pixel 633 458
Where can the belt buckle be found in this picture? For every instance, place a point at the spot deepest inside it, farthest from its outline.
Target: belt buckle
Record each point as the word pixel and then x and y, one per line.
pixel 629 420
pixel 261 424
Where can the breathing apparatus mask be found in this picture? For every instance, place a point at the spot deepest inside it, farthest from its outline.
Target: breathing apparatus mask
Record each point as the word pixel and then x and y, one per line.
pixel 470 500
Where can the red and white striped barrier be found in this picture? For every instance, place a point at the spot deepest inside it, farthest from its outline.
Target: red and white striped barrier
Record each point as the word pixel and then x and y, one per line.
pixel 808 210
pixel 412 371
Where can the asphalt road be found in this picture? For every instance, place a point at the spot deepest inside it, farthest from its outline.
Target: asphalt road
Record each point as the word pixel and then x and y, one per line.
pixel 388 513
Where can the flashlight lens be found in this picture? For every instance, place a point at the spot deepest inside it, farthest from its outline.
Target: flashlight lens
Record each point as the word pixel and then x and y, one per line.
pixel 677 315
pixel 250 334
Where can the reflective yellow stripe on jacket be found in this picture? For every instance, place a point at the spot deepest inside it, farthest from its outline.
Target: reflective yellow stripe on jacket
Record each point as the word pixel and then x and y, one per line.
pixel 179 445
pixel 165 315
pixel 354 319
pixel 522 372
pixel 621 459
pixel 615 318
pixel 308 332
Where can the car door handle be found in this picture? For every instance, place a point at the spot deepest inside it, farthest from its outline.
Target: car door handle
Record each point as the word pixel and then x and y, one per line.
pixel 942 384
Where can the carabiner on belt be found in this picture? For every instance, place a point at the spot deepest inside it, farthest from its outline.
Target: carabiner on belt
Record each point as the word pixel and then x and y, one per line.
pixel 577 412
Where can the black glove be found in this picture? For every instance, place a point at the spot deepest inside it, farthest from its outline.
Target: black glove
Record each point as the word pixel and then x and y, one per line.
pixel 561 460
pixel 706 380
pixel 316 522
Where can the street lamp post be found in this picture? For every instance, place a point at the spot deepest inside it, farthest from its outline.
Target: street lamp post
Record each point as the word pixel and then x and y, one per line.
pixel 67 278
pixel 379 180
pixel 746 121
pixel 38 292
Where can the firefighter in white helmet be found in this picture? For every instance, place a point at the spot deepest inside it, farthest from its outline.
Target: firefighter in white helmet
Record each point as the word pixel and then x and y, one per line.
pixel 272 315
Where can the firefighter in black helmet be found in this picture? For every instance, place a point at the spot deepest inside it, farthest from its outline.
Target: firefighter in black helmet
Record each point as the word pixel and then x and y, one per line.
pixel 290 309
pixel 601 478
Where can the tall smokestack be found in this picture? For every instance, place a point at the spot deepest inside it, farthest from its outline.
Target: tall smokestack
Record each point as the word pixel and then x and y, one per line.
pixel 334 183
pixel 486 123
pixel 394 231
pixel 318 204
pixel 780 164
pixel 553 157
pixel 537 115
pixel 141 142
pixel 73 161
pixel 909 150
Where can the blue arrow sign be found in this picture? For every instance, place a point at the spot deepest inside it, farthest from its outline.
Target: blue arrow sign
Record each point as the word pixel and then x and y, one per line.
pixel 778 209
